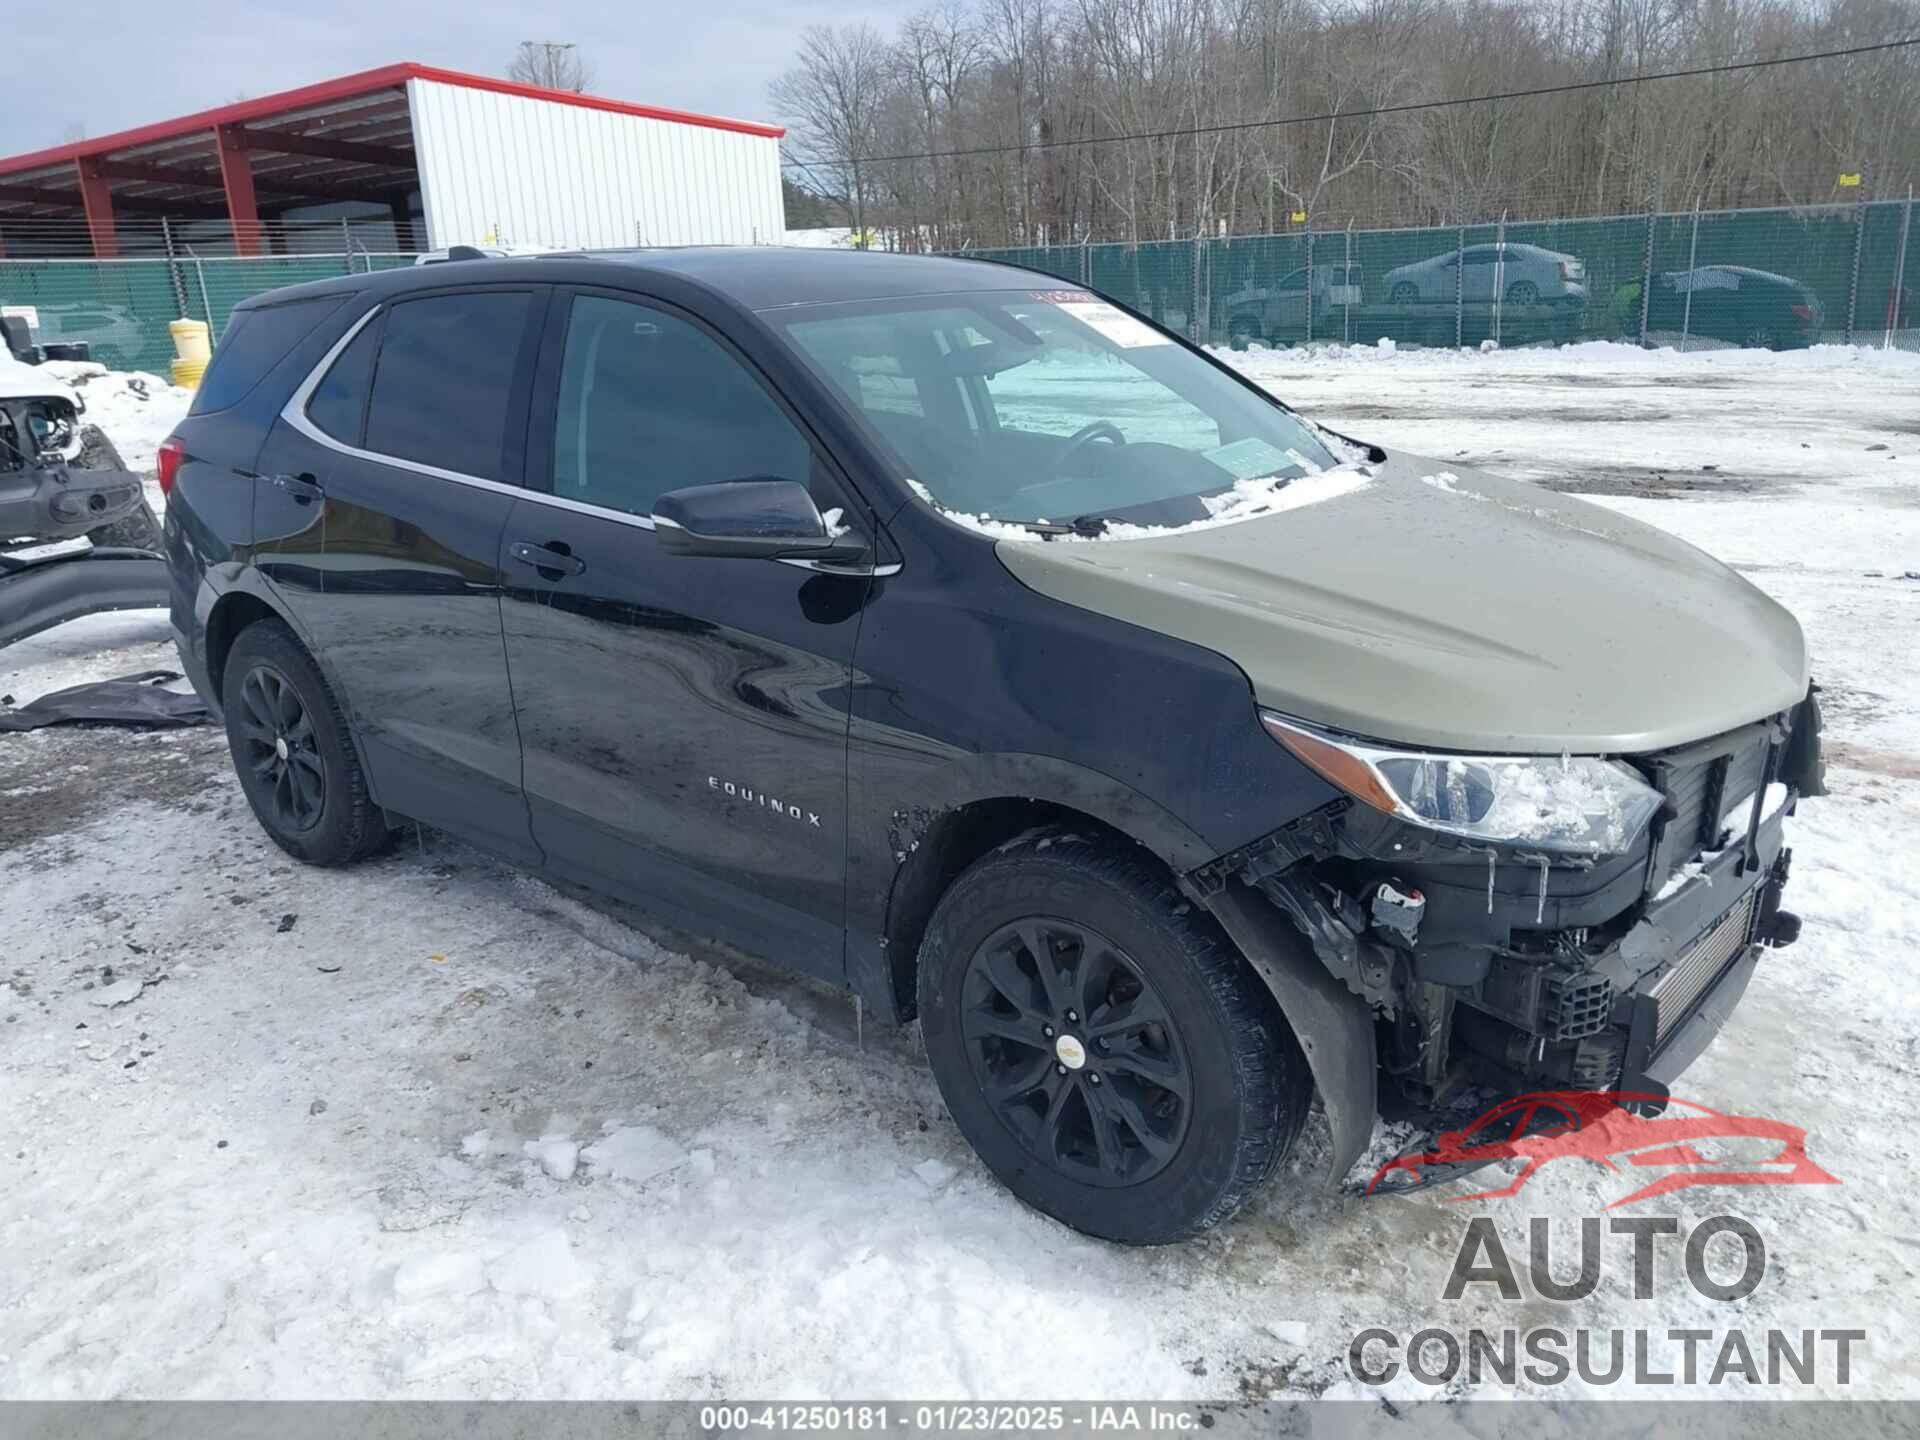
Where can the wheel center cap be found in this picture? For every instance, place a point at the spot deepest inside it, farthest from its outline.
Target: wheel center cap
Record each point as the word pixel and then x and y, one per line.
pixel 280 746
pixel 1072 1053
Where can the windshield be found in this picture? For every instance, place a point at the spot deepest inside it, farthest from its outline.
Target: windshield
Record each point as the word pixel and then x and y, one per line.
pixel 1050 407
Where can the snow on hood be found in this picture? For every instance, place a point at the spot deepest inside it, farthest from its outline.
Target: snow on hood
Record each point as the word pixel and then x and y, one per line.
pixel 30 382
pixel 135 409
pixel 1454 610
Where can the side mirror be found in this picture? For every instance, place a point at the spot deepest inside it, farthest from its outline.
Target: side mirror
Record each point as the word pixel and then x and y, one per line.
pixel 756 518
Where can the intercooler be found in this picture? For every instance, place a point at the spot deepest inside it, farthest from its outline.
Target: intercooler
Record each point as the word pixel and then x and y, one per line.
pixel 1699 965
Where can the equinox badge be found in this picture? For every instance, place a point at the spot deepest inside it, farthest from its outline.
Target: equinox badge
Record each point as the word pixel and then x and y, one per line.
pixel 761 798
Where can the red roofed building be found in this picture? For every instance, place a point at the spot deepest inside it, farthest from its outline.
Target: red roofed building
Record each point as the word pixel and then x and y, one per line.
pixel 447 158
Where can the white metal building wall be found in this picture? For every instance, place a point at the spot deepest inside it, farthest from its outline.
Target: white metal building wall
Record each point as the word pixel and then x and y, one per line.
pixel 510 169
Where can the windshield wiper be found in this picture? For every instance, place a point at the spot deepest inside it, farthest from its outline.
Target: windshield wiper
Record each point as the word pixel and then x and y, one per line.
pixel 1087 526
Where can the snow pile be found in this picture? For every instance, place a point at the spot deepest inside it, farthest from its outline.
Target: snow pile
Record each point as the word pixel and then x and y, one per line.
pixel 1578 352
pixel 635 1154
pixel 830 237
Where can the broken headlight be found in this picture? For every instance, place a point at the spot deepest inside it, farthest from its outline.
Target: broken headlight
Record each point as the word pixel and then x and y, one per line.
pixel 1572 804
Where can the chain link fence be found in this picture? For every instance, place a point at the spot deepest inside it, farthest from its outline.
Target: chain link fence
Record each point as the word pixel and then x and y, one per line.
pixel 1694 279
pixel 121 309
pixel 1773 279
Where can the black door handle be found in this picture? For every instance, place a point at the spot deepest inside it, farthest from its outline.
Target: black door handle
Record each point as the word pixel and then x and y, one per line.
pixel 303 488
pixel 551 560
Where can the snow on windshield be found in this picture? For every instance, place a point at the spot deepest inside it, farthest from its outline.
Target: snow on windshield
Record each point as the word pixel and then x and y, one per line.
pixel 1247 500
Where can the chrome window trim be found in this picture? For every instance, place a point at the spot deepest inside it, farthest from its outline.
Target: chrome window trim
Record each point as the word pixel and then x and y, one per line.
pixel 294 412
pixel 850 572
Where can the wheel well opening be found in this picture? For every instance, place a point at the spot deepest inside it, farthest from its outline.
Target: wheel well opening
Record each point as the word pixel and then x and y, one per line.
pixel 231 615
pixel 950 844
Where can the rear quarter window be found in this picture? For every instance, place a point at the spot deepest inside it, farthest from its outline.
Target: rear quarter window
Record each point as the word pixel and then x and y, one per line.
pixel 339 402
pixel 257 339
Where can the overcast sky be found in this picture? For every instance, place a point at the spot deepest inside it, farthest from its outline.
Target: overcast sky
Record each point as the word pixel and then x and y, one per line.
pixel 107 68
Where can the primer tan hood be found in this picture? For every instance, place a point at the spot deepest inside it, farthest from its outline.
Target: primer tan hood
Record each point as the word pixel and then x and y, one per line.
pixel 1471 614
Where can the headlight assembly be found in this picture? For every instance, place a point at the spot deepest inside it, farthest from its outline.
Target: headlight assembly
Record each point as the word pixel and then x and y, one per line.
pixel 1569 805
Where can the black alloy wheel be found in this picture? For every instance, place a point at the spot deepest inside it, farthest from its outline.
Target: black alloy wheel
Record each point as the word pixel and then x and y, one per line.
pixel 281 748
pixel 1076 1051
pixel 1099 1041
pixel 294 752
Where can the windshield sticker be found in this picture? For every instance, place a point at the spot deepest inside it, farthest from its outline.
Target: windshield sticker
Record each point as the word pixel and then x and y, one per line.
pixel 1114 324
pixel 1252 457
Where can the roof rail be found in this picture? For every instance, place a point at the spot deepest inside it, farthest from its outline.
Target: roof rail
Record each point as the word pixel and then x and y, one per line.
pixel 455 252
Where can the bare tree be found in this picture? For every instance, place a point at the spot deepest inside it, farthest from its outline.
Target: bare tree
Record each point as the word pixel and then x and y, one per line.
pixel 834 98
pixel 551 65
pixel 1027 122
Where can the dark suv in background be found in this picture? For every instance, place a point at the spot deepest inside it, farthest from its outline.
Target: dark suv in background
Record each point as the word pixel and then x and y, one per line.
pixel 966 640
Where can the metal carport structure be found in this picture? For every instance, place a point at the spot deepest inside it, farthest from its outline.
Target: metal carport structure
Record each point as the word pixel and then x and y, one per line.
pixel 572 169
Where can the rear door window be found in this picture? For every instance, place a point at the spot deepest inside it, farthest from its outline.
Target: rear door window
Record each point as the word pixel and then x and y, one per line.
pixel 443 384
pixel 257 340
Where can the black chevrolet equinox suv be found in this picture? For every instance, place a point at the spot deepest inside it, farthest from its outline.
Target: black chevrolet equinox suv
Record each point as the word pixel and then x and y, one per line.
pixel 949 633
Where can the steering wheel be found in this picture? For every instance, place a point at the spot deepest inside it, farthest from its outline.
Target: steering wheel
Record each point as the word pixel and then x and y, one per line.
pixel 1082 438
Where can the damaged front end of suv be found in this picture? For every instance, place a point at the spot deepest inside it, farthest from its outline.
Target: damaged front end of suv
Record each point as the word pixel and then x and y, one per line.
pixel 1516 923
pixel 76 532
pixel 1551 750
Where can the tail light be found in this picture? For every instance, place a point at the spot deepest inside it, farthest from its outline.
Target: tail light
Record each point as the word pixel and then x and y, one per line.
pixel 1803 312
pixel 1566 271
pixel 166 462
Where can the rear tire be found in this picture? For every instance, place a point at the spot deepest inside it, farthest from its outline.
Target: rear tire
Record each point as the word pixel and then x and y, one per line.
pixel 1142 1085
pixel 293 752
pixel 1523 292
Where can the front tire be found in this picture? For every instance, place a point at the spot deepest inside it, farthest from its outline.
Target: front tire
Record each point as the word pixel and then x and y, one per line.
pixel 1102 1045
pixel 1404 293
pixel 292 750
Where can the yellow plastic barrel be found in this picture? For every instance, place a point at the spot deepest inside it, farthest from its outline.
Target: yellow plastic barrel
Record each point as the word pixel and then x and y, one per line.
pixel 190 340
pixel 192 350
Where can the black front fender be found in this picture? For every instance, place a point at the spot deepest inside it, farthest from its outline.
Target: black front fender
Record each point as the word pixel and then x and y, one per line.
pixel 973 778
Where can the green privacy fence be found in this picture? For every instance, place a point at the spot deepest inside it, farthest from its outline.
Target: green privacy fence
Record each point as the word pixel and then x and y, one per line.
pixel 121 308
pixel 1773 278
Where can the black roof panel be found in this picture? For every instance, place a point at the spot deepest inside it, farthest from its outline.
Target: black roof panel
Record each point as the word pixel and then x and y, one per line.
pixel 752 277
pixel 762 277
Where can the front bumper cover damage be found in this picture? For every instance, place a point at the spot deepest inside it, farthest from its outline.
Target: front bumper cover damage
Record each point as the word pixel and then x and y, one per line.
pixel 1523 973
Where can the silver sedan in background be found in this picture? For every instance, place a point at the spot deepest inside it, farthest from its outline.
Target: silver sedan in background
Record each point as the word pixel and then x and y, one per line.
pixel 1520 274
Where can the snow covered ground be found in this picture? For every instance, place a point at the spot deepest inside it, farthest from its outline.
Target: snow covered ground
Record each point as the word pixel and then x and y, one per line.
pixel 430 1127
